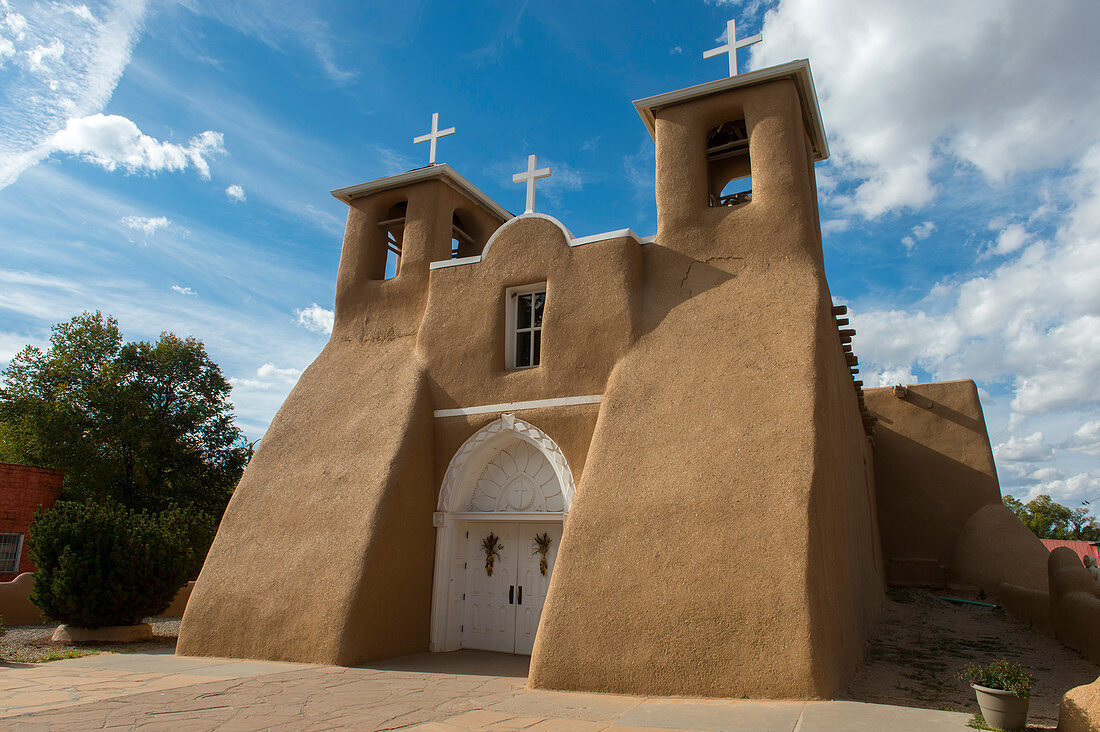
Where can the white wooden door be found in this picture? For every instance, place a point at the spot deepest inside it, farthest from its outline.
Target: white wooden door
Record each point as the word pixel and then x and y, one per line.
pixel 531 583
pixel 489 617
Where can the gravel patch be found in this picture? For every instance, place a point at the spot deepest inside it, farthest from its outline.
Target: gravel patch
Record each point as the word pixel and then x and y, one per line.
pixel 921 642
pixel 33 643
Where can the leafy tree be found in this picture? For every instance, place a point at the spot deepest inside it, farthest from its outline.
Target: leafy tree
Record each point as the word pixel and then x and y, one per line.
pixel 1051 520
pixel 144 424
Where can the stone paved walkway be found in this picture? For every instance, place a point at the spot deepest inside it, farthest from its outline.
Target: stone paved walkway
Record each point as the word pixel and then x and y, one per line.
pixel 455 691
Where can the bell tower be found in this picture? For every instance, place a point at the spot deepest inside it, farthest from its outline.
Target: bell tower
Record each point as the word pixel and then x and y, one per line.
pixel 735 163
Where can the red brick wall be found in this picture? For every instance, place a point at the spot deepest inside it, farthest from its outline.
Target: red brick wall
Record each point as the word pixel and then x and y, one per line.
pixel 22 490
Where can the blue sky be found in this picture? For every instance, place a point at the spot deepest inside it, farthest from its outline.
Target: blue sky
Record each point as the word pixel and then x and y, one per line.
pixel 170 163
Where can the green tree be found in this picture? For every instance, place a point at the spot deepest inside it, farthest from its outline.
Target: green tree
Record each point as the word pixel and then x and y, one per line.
pixel 144 424
pixel 1049 519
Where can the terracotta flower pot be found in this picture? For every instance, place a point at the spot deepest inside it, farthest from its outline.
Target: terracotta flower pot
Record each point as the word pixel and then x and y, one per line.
pixel 1002 709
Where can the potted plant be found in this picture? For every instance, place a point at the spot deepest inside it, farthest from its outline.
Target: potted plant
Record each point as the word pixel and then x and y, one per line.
pixel 1003 689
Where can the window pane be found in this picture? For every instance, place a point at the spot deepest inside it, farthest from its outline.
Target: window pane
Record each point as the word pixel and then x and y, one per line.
pixel 523 349
pixel 523 312
pixel 535 352
pixel 540 300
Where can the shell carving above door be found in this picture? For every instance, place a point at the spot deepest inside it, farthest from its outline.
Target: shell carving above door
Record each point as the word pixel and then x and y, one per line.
pixel 519 479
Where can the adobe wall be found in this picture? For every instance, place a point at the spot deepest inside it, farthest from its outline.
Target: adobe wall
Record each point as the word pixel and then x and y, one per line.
pixel 670 579
pixel 23 489
pixel 933 469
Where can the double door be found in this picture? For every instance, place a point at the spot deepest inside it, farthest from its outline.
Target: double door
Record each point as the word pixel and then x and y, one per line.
pixel 501 610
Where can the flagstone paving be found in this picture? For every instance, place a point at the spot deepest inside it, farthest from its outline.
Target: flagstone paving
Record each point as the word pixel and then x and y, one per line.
pixel 441 692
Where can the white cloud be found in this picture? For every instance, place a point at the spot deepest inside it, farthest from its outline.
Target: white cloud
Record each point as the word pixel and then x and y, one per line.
pixel 235 193
pixel 271 371
pixel 1011 239
pixel 906 91
pixel 1033 448
pixel 40 58
pixel 147 224
pixel 1086 439
pixel 889 377
pixel 269 376
pixel 62 61
pixel 112 141
pixel 1071 490
pixel 920 232
pixel 316 318
pixel 184 290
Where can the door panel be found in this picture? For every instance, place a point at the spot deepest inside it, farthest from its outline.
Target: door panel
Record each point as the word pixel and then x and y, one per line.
pixel 533 582
pixel 489 620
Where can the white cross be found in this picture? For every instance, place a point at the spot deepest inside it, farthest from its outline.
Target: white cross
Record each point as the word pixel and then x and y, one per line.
pixel 530 176
pixel 433 136
pixel 732 44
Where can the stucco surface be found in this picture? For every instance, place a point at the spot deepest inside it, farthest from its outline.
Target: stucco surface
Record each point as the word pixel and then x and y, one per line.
pixel 15 603
pixel 1081 709
pixel 708 446
pixel 325 552
pixel 1074 603
pixel 995 547
pixel 933 469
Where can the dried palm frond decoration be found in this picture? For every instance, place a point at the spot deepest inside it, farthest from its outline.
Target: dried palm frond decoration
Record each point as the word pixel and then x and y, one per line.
pixel 492 547
pixel 542 545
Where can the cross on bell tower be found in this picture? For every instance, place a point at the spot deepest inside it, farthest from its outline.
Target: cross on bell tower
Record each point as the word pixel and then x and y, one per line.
pixel 732 44
pixel 433 136
pixel 530 176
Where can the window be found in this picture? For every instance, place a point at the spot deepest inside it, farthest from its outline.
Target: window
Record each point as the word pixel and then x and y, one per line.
pixel 524 322
pixel 729 172
pixel 393 228
pixel 11 546
pixel 462 244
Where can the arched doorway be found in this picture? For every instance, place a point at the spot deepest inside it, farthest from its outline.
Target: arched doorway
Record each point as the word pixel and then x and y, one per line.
pixel 509 486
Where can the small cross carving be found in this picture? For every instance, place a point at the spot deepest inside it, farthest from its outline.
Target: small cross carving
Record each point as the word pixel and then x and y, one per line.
pixel 732 44
pixel 530 176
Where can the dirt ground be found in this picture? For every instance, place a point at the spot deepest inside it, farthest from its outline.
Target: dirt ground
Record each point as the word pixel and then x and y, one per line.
pixel 33 643
pixel 921 641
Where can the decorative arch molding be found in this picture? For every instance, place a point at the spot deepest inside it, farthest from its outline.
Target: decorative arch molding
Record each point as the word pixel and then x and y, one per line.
pixel 565 232
pixel 474 470
pixel 509 470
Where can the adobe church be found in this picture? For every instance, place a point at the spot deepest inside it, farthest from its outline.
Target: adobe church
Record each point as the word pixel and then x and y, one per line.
pixel 646 462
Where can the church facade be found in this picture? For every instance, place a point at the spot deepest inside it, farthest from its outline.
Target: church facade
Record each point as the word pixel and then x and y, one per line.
pixel 647 462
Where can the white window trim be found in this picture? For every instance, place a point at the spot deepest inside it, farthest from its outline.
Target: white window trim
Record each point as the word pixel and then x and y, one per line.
pixel 18 552
pixel 511 305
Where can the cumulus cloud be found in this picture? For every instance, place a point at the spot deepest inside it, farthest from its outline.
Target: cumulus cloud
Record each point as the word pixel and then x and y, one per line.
pixel 1032 321
pixel 1086 439
pixel 1033 448
pixel 1011 239
pixel 905 92
pixel 184 290
pixel 235 193
pixel 1071 490
pixel 113 141
pixel 269 376
pixel 316 318
pixel 920 232
pixel 61 61
pixel 146 224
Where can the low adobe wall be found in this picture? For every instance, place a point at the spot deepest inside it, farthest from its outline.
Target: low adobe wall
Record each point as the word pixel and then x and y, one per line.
pixel 1080 710
pixel 15 603
pixel 1074 603
pixel 16 607
pixel 933 470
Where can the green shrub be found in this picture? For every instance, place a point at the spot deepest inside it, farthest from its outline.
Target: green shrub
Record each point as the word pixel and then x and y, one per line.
pixel 102 564
pixel 2 628
pixel 1001 674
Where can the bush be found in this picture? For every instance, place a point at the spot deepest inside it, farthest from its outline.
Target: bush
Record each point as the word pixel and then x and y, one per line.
pixel 1001 674
pixel 102 564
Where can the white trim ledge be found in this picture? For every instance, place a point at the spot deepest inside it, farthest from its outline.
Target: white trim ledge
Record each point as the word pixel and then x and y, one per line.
pixel 454 262
pixel 518 406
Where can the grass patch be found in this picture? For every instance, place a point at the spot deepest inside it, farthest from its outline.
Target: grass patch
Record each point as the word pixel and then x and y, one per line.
pixel 62 655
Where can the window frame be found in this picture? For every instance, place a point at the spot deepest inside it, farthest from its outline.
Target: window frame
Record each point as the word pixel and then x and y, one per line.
pixel 18 552
pixel 511 317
